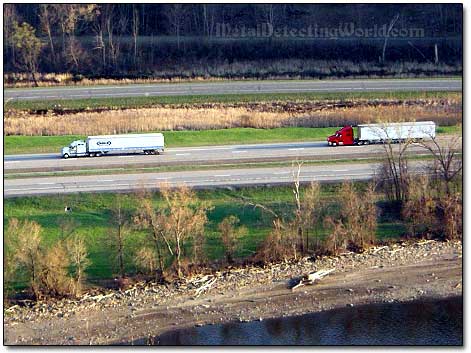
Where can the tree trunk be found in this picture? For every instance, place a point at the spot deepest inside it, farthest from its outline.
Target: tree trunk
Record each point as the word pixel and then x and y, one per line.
pixel 120 253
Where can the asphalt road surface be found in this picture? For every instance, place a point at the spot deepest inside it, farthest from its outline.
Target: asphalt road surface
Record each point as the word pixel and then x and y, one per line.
pixel 242 87
pixel 197 179
pixel 209 178
pixel 197 155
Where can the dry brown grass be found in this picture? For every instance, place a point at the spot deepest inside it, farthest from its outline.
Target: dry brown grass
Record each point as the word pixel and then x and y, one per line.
pixel 220 117
pixel 22 80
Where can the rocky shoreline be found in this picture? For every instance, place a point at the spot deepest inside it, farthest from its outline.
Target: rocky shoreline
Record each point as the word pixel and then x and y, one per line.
pixel 397 272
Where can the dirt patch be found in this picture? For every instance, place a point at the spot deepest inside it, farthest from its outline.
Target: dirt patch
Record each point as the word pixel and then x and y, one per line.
pixel 398 272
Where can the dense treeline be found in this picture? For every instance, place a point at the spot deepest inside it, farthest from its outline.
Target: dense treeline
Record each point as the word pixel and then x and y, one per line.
pixel 212 40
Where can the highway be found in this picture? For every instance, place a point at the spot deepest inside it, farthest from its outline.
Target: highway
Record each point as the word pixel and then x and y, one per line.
pixel 208 178
pixel 197 156
pixel 231 87
pixel 197 179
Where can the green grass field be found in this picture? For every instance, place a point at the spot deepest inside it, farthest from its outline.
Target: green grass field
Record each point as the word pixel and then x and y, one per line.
pixel 92 218
pixel 53 144
pixel 142 102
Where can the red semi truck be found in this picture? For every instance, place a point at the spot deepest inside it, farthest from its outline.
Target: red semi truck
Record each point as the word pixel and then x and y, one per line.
pixel 380 133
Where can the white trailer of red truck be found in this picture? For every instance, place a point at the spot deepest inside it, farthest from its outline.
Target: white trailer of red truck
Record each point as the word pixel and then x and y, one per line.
pixel 95 146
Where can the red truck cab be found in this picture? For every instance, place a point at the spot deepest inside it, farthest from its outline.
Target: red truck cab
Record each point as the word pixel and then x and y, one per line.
pixel 344 136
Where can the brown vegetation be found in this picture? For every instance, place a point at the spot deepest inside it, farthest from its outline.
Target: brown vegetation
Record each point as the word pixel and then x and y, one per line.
pixel 219 116
pixel 179 221
pixel 230 236
pixel 57 270
pixel 356 229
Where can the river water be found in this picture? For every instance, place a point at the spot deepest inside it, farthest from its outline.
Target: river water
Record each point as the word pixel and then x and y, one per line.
pixel 437 322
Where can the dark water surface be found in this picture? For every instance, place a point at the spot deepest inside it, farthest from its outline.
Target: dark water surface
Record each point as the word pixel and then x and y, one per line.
pixel 438 322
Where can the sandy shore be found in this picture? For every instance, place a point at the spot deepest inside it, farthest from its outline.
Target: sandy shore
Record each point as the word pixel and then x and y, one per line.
pixel 399 272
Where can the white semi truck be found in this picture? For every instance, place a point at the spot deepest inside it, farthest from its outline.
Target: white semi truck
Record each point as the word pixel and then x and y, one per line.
pixel 381 133
pixel 95 146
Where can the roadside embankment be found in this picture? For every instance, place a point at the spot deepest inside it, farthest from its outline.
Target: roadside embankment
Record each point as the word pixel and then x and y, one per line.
pixel 401 271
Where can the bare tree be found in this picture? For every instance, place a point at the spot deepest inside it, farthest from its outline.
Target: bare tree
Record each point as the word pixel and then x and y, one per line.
pixel 78 254
pixel 150 218
pixel 180 221
pixel 447 159
pixel 307 207
pixel 48 18
pixel 185 216
pixel 394 174
pixel 175 14
pixel 121 230
pixel 10 18
pixel 135 32
pixel 23 241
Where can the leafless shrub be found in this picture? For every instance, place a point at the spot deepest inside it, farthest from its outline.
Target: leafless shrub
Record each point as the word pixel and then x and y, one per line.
pixel 448 163
pixel 360 215
pixel 145 259
pixel 337 240
pixel 274 247
pixel 431 211
pixel 54 276
pixel 452 216
pixel 356 228
pixel 231 235
pixel 419 209
pixel 23 241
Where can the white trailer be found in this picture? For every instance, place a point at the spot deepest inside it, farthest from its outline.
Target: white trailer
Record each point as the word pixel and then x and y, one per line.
pixel 99 145
pixel 395 132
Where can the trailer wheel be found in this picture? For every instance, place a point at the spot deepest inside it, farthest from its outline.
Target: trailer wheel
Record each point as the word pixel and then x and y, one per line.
pixel 92 154
pixel 152 152
pixel 98 154
pixel 366 142
pixel 66 155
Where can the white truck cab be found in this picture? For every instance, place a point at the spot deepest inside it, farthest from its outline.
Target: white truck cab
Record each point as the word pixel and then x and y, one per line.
pixel 75 149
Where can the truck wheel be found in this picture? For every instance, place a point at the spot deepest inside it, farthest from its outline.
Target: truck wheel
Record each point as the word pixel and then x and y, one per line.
pixel 65 156
pixel 334 144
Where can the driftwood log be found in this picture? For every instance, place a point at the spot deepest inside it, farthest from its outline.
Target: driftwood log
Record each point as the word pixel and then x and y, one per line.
pixel 310 278
pixel 205 287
